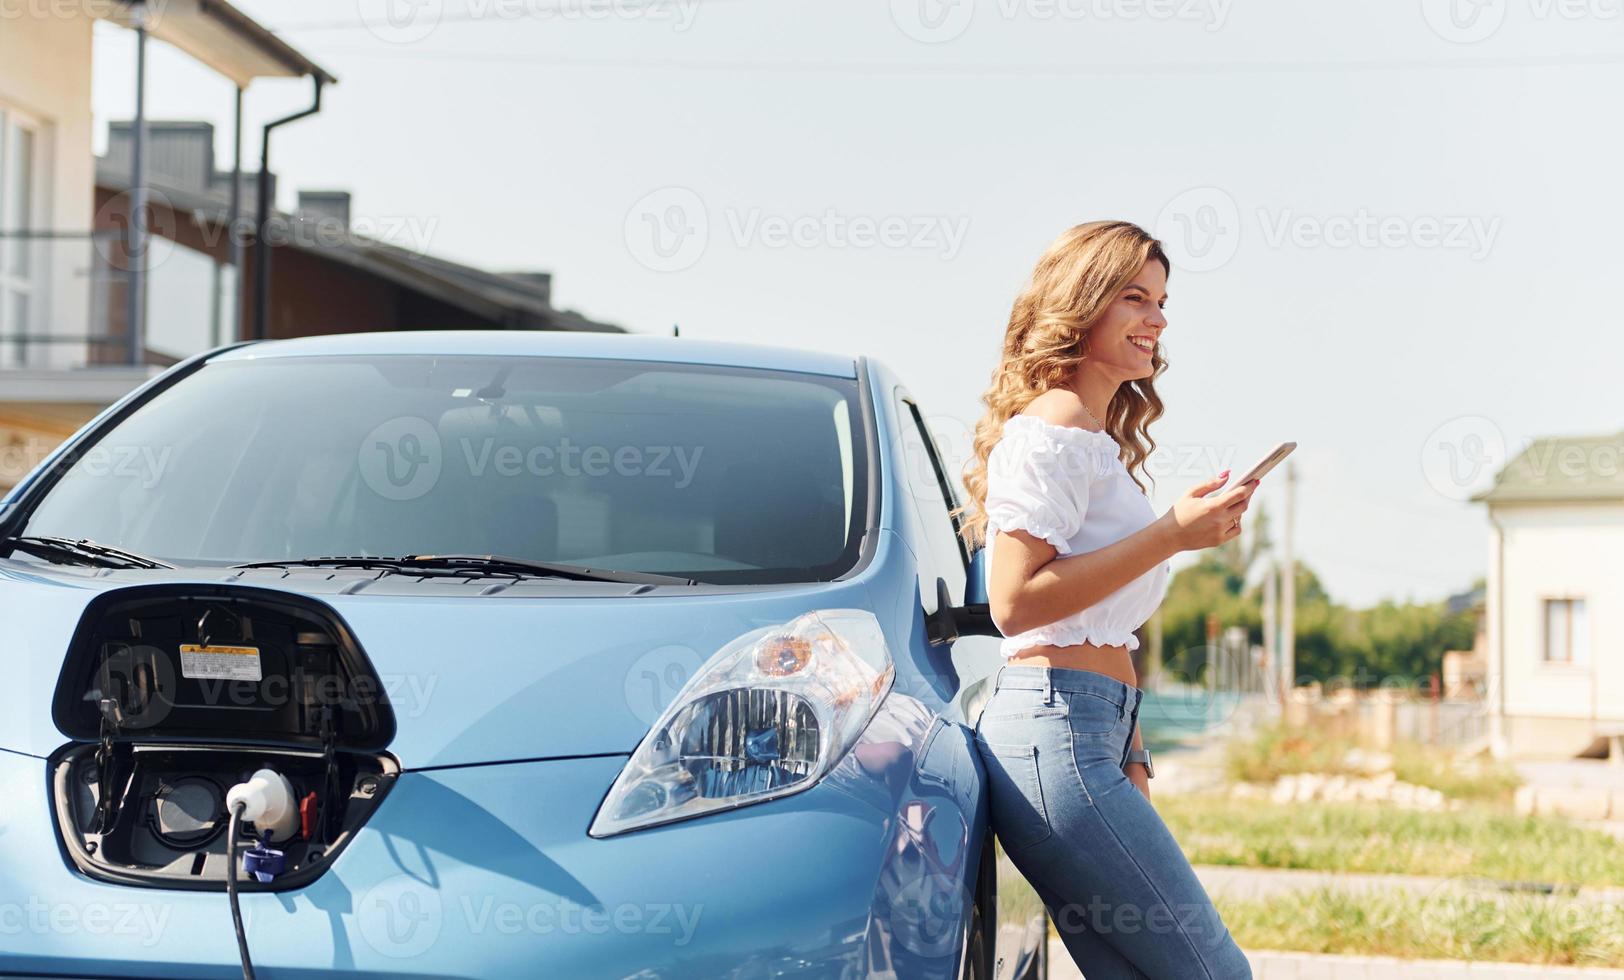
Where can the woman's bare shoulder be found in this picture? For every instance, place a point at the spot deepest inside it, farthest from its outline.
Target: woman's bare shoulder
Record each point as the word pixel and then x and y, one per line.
pixel 1060 406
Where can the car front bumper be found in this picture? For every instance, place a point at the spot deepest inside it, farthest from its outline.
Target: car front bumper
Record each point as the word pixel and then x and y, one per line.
pixel 488 871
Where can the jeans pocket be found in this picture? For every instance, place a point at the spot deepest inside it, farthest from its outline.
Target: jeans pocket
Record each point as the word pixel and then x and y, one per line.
pixel 1015 793
pixel 1091 716
pixel 1021 705
pixel 1029 714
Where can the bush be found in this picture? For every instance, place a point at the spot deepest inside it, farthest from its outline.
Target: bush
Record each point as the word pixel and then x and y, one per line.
pixel 1276 751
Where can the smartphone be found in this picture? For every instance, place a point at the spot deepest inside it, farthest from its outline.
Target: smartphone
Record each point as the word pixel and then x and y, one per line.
pixel 1267 463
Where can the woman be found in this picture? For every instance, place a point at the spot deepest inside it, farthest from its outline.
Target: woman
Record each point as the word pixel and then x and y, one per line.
pixel 1078 561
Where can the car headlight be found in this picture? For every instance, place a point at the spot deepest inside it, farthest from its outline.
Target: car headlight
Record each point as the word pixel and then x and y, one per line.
pixel 770 714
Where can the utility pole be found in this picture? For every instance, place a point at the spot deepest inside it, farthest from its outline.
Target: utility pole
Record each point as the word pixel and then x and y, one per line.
pixel 1154 661
pixel 1288 595
pixel 1271 649
pixel 135 309
pixel 1213 632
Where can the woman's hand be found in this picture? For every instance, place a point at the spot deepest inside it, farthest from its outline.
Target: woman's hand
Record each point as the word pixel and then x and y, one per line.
pixel 1196 521
pixel 1138 776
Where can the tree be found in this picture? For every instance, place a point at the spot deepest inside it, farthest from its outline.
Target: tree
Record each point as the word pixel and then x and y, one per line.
pixel 1389 641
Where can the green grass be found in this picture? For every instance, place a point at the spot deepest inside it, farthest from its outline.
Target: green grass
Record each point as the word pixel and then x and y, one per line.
pixel 1445 925
pixel 1482 780
pixel 1478 841
pixel 1277 751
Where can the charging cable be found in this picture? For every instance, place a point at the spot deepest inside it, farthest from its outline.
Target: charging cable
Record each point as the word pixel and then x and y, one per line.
pixel 265 800
pixel 231 888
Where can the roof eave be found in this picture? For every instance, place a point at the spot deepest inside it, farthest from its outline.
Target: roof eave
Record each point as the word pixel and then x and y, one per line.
pixel 220 36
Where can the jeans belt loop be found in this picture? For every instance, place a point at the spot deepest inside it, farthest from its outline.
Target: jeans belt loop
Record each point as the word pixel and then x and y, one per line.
pixel 1048 687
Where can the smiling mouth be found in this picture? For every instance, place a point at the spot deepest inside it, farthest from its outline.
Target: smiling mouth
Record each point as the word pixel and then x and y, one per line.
pixel 1143 343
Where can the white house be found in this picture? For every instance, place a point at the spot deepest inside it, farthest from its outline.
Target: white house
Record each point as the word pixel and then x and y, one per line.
pixel 1555 609
pixel 70 286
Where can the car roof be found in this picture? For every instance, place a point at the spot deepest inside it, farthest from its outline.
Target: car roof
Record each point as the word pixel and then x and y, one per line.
pixel 541 343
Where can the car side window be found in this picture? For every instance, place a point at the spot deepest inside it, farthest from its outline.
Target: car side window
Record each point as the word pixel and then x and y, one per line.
pixel 934 500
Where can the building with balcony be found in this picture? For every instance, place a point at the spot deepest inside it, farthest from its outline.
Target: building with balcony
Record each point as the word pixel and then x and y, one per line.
pixel 91 305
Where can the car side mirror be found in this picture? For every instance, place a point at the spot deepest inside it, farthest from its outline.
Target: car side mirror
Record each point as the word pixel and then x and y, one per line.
pixel 975 580
pixel 973 618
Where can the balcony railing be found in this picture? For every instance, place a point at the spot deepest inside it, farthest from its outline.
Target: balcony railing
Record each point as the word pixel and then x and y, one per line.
pixel 64 301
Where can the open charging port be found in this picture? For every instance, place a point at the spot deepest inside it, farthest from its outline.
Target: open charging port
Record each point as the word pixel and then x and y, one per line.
pixel 174 695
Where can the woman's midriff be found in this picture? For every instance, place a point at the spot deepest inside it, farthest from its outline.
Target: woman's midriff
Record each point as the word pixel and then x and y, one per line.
pixel 1112 661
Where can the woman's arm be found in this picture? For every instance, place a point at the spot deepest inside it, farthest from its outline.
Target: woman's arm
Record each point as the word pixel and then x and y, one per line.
pixel 1029 587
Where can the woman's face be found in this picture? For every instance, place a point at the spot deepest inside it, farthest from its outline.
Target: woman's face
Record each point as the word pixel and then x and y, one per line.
pixel 1126 334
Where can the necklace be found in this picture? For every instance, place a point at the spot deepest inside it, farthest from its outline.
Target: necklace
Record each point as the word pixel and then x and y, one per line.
pixel 1092 415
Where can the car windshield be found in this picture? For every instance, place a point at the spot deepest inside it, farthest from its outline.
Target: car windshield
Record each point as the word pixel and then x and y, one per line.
pixel 718 474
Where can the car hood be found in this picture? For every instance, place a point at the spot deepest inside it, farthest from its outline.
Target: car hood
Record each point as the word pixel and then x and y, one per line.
pixel 567 670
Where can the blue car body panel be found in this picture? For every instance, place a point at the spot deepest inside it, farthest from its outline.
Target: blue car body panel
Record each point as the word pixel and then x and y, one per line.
pixel 514 715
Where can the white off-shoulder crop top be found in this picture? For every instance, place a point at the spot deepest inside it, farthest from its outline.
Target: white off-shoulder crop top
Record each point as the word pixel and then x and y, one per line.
pixel 1069 487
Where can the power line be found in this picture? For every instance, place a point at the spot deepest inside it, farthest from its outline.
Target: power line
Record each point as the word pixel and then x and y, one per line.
pixel 858 68
pixel 529 12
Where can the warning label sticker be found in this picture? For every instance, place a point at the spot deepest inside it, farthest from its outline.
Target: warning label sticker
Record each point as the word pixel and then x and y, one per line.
pixel 213 663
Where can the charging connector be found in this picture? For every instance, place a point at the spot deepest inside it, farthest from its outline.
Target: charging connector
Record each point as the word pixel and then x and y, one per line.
pixel 268 803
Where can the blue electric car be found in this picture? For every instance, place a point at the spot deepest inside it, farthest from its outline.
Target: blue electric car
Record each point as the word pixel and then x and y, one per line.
pixel 536 655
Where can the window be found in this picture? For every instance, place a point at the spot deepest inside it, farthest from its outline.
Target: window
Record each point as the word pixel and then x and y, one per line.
pixel 933 499
pixel 18 180
pixel 1567 631
pixel 725 475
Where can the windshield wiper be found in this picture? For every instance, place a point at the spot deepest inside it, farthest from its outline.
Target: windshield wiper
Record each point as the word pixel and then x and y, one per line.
pixel 482 565
pixel 498 564
pixel 327 561
pixel 84 551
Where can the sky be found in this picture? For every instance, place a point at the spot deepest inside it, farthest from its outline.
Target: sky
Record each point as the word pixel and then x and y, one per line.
pixel 1392 223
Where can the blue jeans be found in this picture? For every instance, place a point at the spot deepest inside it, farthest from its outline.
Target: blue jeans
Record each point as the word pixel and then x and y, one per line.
pixel 1119 891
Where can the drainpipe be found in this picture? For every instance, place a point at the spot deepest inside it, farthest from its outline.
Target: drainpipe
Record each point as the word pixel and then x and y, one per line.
pixel 234 231
pixel 262 248
pixel 136 258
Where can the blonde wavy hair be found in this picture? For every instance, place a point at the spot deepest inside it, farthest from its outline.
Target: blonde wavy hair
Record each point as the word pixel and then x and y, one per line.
pixel 1048 334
